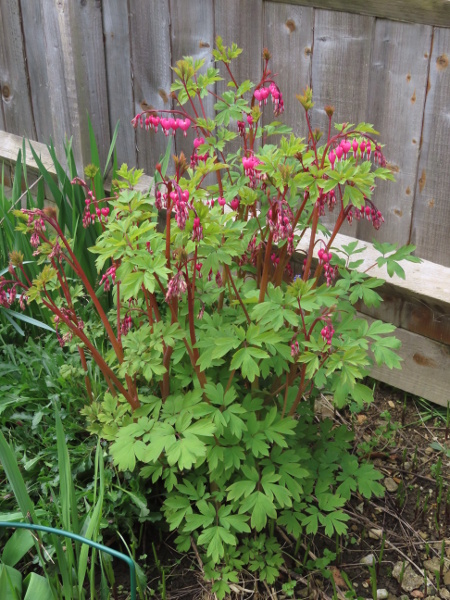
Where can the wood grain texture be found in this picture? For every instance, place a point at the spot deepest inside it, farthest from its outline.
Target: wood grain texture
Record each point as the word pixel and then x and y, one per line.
pixel 119 78
pixel 244 27
pixel 425 368
pixel 152 76
pixel 88 58
pixel 41 21
pixel 193 35
pixel 340 71
pixel 10 144
pixel 396 95
pixel 431 213
pixel 17 112
pixel 427 12
pixel 288 34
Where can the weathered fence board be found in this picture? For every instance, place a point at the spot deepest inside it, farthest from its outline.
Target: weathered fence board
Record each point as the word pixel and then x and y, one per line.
pixel 120 77
pixel 396 96
pixel 429 12
pixel 431 218
pixel 340 71
pixel 151 61
pixel 193 35
pixel 288 35
pixel 244 27
pixel 17 107
pixel 88 58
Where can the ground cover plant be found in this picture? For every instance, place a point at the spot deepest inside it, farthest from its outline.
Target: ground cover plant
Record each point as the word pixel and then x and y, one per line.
pixel 217 344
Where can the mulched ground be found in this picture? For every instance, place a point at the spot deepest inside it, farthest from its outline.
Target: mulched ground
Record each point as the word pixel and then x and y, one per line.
pixel 405 535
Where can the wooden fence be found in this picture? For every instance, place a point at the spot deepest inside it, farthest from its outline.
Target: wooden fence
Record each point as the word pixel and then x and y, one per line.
pixel 61 60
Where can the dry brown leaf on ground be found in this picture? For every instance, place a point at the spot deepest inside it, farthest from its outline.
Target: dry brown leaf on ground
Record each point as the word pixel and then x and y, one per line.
pixel 336 574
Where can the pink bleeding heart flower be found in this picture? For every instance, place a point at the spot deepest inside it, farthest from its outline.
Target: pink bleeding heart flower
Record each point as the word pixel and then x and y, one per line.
pixel 332 158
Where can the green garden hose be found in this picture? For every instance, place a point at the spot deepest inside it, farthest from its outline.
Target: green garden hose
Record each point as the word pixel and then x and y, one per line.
pixel 79 538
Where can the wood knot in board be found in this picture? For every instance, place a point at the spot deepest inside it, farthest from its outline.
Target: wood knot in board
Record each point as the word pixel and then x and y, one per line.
pixel 308 51
pixel 203 44
pixel 442 62
pixel 413 97
pixel 290 25
pixel 163 94
pixel 408 191
pixel 431 203
pixel 6 92
pixel 408 77
pixel 422 180
pixel 398 212
pixel 392 167
pixel 423 361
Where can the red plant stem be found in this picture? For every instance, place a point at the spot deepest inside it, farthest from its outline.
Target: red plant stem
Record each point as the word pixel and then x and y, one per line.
pixel 191 315
pixel 301 389
pixel 231 75
pixel 266 269
pixel 25 275
pixel 313 141
pixel 227 269
pixel 168 215
pixel 149 308
pixel 87 381
pixel 95 354
pixel 315 221
pixel 118 312
pixel 79 271
pixel 230 380
pixel 336 229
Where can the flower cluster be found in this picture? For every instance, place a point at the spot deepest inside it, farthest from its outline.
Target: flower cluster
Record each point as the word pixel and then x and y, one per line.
pixel 327 333
pixel 168 125
pixel 362 149
pixel 195 156
pixel 324 260
pixel 370 213
pixel 111 272
pixel 279 219
pixel 176 286
pixel 261 94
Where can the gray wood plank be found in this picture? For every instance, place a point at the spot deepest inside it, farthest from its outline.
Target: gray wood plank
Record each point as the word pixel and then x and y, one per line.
pixel 397 86
pixel 428 12
pixel 192 35
pixel 152 77
pixel 88 56
pixel 425 368
pixel 431 213
pixel 16 102
pixel 119 78
pixel 340 72
pixel 46 69
pixel 244 27
pixel 288 35
pixel 340 66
